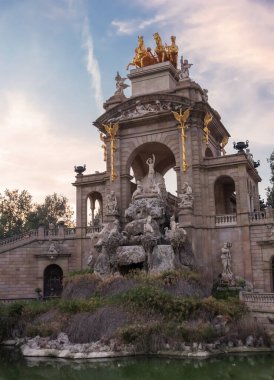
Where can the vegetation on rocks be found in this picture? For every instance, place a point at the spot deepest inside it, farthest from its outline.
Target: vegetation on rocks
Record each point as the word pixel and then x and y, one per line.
pixel 151 312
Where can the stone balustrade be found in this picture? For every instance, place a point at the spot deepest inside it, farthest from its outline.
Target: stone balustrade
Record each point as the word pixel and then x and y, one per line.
pixel 226 220
pixel 92 229
pixel 261 298
pixel 257 216
pixel 44 234
pixel 30 235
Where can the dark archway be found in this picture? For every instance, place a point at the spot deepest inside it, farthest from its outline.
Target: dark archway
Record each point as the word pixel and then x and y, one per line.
pixel 225 196
pixel 53 281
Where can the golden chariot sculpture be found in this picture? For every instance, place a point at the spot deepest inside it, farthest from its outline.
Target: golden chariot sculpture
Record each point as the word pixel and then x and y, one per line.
pixel 162 53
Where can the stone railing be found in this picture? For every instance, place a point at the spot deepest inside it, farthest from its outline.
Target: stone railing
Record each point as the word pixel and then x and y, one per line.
pixel 257 297
pixel 226 220
pixel 70 231
pixel 45 234
pixel 30 235
pixel 257 215
pixel 92 229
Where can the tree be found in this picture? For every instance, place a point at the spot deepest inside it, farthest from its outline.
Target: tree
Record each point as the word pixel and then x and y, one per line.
pixel 54 208
pixel 270 189
pixel 15 207
pixel 19 214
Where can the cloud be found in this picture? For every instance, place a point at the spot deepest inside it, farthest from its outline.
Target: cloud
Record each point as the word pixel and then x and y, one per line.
pixel 62 10
pixel 35 159
pixel 130 27
pixel 92 65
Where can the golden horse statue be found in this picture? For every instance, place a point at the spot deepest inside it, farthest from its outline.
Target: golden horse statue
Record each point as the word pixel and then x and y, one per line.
pixel 143 57
pixel 160 49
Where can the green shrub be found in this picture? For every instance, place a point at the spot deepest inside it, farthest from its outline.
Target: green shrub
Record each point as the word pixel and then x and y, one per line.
pixel 155 300
pixel 141 335
pixel 231 306
pixel 224 294
pixel 33 308
pixel 9 316
pixel 42 329
pixel 197 331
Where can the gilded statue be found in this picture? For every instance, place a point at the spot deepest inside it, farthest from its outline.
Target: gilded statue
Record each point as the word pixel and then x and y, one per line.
pixel 111 129
pixel 182 118
pixel 160 49
pixel 172 52
pixel 143 57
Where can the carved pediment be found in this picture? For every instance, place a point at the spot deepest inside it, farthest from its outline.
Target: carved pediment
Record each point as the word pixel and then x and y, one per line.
pixel 143 106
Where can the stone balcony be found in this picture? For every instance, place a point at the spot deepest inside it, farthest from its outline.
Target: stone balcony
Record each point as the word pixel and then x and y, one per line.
pixel 226 220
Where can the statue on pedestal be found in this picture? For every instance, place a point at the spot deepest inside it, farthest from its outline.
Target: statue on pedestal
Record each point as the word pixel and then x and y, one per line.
pixel 185 66
pixel 227 275
pixel 111 204
pixel 186 196
pixel 120 84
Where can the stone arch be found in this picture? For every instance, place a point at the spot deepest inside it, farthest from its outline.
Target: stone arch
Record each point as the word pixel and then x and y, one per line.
pixel 165 158
pixel 208 153
pixel 225 195
pixel 53 281
pixel 91 199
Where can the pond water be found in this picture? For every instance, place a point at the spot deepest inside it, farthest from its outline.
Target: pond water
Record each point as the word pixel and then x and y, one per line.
pixel 240 367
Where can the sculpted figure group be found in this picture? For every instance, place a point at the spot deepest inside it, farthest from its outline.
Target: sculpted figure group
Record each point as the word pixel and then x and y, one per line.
pixel 144 56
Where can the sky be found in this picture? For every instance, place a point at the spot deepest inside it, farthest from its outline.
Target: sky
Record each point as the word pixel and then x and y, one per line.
pixel 59 58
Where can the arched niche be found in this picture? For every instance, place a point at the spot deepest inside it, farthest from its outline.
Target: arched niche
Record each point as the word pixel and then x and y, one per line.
pixel 164 159
pixel 53 281
pixel 208 153
pixel 94 208
pixel 225 196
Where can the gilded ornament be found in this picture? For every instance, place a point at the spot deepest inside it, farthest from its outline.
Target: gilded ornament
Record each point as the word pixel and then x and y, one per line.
pixel 223 144
pixel 182 118
pixel 112 130
pixel 207 120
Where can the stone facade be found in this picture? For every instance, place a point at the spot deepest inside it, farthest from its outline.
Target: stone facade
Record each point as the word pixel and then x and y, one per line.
pixel 225 202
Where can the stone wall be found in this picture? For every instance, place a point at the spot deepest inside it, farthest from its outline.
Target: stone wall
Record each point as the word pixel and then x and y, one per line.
pixel 22 266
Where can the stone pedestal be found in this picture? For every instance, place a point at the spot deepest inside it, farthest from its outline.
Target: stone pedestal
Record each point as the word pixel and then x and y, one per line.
pixel 185 217
pixel 153 78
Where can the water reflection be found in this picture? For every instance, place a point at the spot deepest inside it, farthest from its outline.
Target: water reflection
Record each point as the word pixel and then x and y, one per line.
pixel 251 367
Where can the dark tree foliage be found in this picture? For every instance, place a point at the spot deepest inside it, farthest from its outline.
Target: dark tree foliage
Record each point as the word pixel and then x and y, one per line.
pixel 54 208
pixel 15 207
pixel 19 214
pixel 270 189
